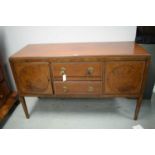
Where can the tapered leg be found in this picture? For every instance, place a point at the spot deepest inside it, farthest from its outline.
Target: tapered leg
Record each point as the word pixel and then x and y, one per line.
pixel 138 106
pixel 22 100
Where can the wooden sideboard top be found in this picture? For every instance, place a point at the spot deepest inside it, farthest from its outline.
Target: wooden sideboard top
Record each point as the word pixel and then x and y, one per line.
pixel 81 49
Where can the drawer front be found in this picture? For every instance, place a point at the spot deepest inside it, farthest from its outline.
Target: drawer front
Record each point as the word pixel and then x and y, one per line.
pixel 82 88
pixel 87 70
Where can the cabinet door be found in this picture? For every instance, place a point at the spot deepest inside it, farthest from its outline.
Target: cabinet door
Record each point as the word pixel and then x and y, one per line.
pixel 124 77
pixel 33 77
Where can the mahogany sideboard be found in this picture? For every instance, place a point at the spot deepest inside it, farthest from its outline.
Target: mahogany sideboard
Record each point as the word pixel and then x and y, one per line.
pixel 81 70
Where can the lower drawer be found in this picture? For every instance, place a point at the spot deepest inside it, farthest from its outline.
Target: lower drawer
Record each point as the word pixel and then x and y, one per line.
pixel 82 88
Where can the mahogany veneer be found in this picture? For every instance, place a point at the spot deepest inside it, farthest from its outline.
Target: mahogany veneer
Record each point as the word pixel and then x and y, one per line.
pixel 92 70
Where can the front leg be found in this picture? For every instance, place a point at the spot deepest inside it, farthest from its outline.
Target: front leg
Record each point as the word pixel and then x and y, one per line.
pixel 22 100
pixel 138 106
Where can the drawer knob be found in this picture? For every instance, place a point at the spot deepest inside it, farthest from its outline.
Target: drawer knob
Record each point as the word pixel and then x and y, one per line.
pixel 90 89
pixel 62 70
pixel 65 89
pixel 90 70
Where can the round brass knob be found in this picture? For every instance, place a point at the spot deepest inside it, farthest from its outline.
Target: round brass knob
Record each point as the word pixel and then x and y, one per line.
pixel 62 70
pixel 65 89
pixel 90 70
pixel 90 89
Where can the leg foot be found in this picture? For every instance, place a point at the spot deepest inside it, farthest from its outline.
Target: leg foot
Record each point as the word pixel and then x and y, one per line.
pixel 22 100
pixel 138 106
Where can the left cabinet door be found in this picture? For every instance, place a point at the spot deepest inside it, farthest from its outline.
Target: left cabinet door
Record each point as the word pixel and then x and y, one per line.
pixel 33 78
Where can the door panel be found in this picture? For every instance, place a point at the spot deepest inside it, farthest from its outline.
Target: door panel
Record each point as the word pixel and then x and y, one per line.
pixel 33 77
pixel 123 77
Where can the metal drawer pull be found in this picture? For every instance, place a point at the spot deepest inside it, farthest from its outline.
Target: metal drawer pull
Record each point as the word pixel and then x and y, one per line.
pixel 65 89
pixel 62 70
pixel 90 70
pixel 90 89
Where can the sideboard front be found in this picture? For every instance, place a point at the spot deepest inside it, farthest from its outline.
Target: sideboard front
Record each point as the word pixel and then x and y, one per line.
pixel 81 70
pixel 82 78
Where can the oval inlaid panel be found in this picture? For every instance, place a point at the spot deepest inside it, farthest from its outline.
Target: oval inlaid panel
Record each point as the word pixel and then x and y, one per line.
pixel 34 77
pixel 123 77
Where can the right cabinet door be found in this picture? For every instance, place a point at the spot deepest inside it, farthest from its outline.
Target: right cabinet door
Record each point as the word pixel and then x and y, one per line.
pixel 123 77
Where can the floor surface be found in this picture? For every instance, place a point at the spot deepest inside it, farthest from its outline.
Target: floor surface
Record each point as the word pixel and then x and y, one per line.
pixel 116 113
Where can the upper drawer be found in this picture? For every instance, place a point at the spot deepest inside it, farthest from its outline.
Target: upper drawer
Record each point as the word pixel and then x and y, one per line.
pixel 80 69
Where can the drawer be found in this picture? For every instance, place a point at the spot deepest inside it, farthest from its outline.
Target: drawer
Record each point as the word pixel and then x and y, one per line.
pixel 86 70
pixel 83 87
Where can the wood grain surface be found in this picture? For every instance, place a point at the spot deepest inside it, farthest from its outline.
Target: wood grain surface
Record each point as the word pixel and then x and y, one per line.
pixel 76 87
pixel 115 69
pixel 33 77
pixel 77 69
pixel 81 49
pixel 124 77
